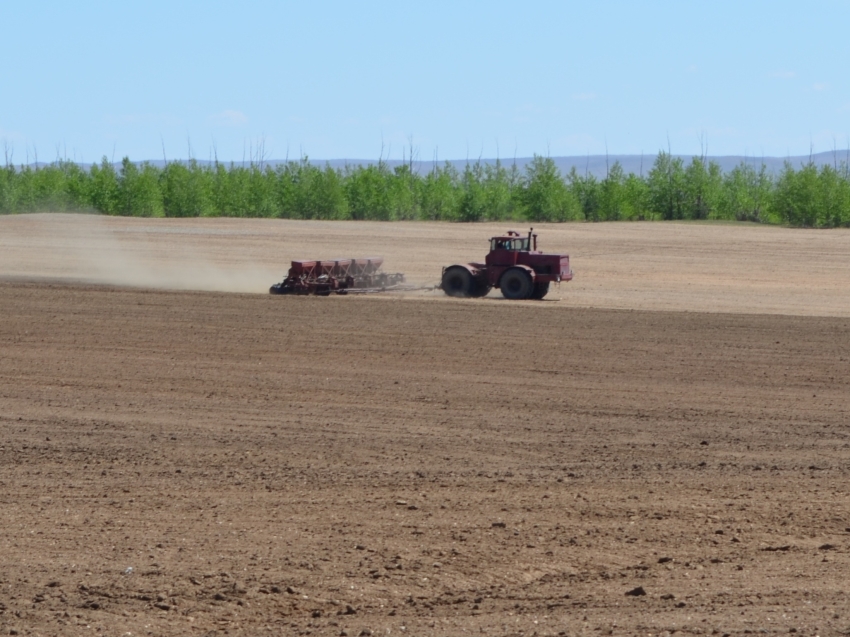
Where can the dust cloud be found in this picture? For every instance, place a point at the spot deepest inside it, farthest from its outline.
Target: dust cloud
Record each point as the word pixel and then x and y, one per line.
pixel 144 253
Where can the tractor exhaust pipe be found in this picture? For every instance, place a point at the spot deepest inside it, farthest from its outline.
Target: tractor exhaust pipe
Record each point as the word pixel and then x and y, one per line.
pixel 530 230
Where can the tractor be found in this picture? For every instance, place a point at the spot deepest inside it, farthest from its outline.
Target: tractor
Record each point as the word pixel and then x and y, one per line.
pixel 513 265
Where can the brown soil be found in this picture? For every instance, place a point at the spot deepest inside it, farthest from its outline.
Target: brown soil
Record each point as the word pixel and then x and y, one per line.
pixel 211 463
pixel 650 266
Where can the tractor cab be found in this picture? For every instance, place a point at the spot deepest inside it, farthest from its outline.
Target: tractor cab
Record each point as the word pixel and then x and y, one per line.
pixel 508 243
pixel 505 250
pixel 513 241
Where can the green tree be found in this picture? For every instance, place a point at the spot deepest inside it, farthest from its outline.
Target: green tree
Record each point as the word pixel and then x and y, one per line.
pixel 473 198
pixel 187 190
pixel 229 190
pixel 439 194
pixel 261 192
pixel 545 195
pixel 585 190
pixel 809 196
pixel 104 190
pixel 8 189
pixel 812 197
pixel 666 185
pixel 796 196
pixel 499 184
pixel 703 189
pixel 403 195
pixel 49 192
pixel 613 202
pixel 77 185
pixel 834 195
pixel 636 199
pixel 367 193
pixel 746 194
pixel 316 193
pixel 139 190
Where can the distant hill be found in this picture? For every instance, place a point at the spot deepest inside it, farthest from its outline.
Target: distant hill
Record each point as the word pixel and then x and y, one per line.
pixel 596 165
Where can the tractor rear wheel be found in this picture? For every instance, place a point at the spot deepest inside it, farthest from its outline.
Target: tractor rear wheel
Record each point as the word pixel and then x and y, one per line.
pixel 458 281
pixel 516 284
pixel 541 289
pixel 480 287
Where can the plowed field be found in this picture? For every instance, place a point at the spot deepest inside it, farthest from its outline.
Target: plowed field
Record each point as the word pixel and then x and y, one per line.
pixel 643 455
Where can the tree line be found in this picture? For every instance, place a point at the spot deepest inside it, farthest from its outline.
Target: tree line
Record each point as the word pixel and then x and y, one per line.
pixel 807 196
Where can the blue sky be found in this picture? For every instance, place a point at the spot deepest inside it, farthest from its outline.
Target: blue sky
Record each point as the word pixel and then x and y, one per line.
pixel 461 79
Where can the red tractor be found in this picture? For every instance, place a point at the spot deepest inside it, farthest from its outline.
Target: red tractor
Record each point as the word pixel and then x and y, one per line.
pixel 513 265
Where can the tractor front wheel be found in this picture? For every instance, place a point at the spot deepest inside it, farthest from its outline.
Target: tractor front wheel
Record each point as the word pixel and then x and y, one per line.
pixel 457 281
pixel 541 289
pixel 516 284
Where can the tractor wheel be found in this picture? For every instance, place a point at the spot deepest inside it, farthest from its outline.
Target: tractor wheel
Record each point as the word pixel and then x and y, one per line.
pixel 541 289
pixel 457 281
pixel 480 287
pixel 516 284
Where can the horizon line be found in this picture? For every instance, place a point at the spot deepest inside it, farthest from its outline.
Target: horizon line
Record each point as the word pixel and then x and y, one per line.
pixel 360 160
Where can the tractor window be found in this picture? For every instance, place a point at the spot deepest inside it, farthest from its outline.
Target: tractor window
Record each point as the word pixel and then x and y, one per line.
pixel 509 244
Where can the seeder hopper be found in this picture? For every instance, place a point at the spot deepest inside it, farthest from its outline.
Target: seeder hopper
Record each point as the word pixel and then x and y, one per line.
pixel 339 276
